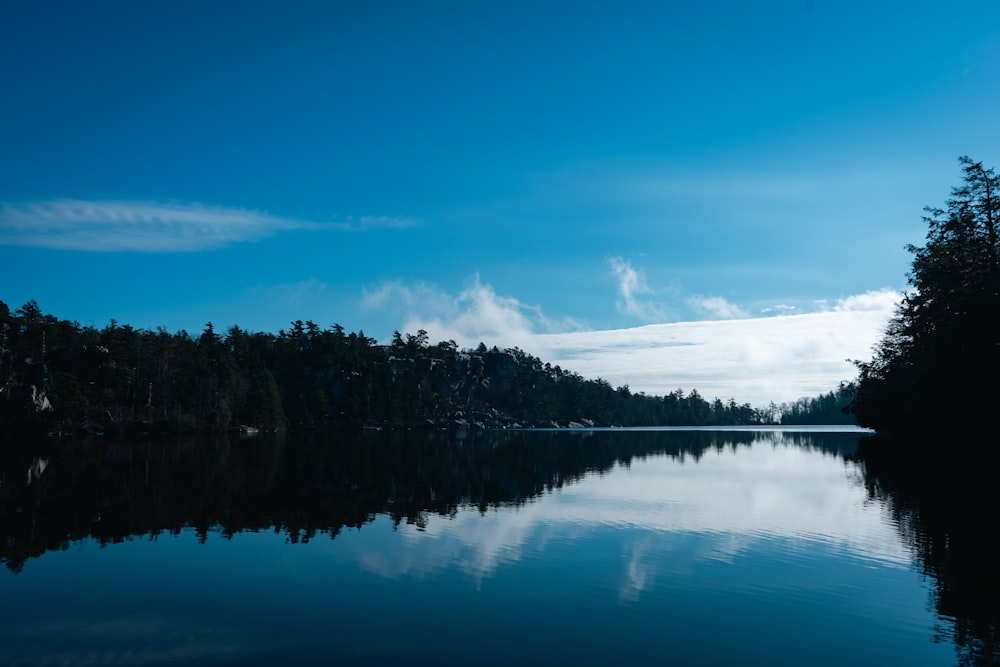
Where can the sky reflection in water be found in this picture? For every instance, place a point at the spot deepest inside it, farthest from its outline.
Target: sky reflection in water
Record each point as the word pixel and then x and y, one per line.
pixel 764 554
pixel 730 500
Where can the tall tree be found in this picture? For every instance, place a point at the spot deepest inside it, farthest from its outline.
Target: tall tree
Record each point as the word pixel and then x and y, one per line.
pixel 939 360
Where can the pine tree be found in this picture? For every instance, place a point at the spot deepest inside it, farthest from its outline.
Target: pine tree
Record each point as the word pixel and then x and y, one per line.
pixel 939 360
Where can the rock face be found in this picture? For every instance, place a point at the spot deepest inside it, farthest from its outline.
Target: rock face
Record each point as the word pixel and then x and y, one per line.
pixel 39 400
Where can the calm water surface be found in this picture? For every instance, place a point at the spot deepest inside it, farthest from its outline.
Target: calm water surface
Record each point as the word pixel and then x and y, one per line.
pixel 621 547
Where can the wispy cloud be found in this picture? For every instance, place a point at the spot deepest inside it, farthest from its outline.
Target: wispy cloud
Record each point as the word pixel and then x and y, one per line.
pixel 373 221
pixel 635 291
pixel 779 308
pixel 631 286
pixel 715 307
pixel 123 226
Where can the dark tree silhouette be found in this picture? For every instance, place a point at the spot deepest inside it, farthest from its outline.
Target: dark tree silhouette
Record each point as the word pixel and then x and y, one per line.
pixel 59 377
pixel 938 363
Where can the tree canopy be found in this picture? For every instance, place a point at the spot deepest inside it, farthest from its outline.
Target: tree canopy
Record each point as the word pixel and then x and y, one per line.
pixel 938 362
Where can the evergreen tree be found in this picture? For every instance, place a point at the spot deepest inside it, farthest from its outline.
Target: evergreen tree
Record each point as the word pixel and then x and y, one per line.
pixel 939 360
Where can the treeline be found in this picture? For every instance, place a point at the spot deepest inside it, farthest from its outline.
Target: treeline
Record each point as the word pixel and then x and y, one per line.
pixel 59 376
pixel 829 408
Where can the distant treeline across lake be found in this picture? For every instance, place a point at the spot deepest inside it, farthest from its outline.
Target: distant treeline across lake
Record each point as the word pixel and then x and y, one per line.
pixel 59 376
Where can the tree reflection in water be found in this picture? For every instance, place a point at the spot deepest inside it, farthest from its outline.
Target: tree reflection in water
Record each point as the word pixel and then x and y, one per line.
pixel 944 502
pixel 306 485
pixel 53 494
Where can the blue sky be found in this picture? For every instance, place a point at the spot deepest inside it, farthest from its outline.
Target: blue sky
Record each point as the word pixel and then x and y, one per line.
pixel 523 173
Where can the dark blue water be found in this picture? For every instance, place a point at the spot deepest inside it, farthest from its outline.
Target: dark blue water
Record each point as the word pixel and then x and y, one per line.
pixel 612 548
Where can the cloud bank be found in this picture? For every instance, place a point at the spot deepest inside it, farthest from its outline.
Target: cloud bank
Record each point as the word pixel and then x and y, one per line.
pixel 755 360
pixel 752 359
pixel 122 226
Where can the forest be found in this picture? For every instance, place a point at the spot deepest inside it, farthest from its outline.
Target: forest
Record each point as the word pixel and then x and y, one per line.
pixel 59 377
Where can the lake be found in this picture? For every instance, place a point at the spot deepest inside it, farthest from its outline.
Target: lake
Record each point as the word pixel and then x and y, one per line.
pixel 667 546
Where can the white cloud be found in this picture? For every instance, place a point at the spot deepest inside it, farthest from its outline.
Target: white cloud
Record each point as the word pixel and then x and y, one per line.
pixel 122 226
pixel 477 314
pixel 753 359
pixel 878 300
pixel 780 308
pixel 631 284
pixel 717 308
